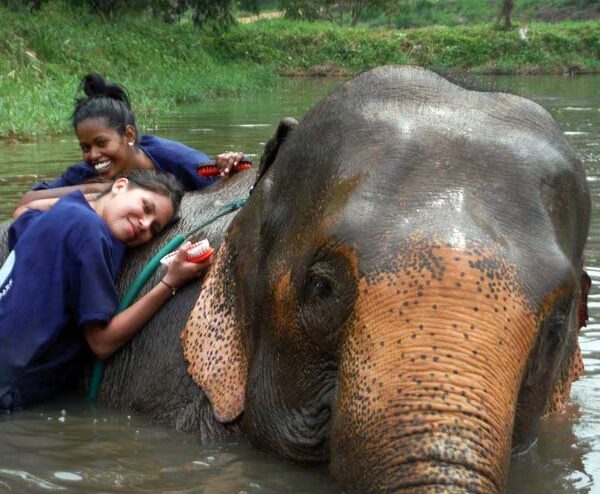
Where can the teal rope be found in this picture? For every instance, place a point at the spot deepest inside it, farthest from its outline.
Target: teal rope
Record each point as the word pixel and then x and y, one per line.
pixel 141 279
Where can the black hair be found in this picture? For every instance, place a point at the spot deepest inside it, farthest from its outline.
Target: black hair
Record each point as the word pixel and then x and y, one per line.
pixel 162 183
pixel 105 100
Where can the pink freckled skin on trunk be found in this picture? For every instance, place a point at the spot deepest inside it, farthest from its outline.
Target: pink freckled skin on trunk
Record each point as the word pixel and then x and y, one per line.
pixel 441 367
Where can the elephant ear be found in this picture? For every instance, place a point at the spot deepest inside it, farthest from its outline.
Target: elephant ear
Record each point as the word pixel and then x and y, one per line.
pixel 572 368
pixel 213 346
pixel 286 125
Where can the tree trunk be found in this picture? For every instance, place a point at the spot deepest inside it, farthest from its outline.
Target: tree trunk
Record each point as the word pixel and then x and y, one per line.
pixel 505 13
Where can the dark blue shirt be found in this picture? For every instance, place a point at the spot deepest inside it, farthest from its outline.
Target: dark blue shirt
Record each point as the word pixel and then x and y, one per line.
pixel 168 156
pixel 59 276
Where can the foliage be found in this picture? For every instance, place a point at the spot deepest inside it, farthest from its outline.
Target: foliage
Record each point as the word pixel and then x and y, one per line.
pixel 303 9
pixel 329 9
pixel 556 48
pixel 218 13
pixel 422 13
pixel 250 6
pixel 44 54
pixel 257 6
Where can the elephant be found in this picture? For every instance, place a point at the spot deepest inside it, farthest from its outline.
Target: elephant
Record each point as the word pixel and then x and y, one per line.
pixel 402 293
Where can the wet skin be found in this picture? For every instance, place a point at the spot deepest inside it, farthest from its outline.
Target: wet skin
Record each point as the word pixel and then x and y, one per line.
pixel 409 276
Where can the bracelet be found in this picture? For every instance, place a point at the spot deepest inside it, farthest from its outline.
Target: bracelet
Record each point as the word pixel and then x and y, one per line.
pixel 173 290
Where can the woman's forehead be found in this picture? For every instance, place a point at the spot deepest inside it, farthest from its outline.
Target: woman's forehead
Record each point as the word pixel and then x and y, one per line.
pixel 94 125
pixel 160 201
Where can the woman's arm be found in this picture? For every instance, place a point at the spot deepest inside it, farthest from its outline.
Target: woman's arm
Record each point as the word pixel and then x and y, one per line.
pixel 58 192
pixel 41 204
pixel 44 204
pixel 104 340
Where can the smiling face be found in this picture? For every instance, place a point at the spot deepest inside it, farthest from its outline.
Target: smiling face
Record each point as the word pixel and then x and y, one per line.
pixel 104 148
pixel 133 215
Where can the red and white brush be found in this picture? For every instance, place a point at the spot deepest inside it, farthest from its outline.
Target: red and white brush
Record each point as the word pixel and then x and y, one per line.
pixel 212 170
pixel 198 252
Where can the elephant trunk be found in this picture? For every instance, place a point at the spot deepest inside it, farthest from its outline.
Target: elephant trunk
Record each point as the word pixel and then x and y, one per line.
pixel 430 375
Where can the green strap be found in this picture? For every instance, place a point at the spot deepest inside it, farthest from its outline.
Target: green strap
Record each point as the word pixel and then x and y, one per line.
pixel 230 207
pixel 141 279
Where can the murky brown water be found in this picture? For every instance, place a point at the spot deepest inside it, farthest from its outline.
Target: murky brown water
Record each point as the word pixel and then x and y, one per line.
pixel 71 446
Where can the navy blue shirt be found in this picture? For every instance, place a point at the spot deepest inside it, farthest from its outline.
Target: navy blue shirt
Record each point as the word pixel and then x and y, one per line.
pixel 167 156
pixel 59 275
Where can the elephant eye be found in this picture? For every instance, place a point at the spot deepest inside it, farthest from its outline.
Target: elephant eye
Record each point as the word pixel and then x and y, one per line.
pixel 319 287
pixel 327 299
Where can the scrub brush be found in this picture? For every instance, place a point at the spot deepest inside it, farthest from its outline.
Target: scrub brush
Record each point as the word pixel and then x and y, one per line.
pixel 212 170
pixel 198 252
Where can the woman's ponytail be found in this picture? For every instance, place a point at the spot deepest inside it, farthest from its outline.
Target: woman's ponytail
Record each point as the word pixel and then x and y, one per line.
pixel 95 86
pixel 105 100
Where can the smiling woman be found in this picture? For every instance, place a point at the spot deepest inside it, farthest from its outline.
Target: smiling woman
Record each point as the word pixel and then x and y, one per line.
pixel 135 211
pixel 57 302
pixel 108 136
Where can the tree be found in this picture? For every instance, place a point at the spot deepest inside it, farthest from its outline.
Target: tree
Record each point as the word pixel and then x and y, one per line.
pixel 325 9
pixel 506 12
pixel 19 4
pixel 302 9
pixel 250 6
pixel 389 8
pixel 217 13
pixel 357 7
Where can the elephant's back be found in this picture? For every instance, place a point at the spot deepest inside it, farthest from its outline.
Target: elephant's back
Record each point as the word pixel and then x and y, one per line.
pixel 4 226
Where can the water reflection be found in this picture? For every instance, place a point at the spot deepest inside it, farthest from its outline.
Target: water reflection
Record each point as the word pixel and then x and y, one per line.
pixel 81 448
pixel 70 447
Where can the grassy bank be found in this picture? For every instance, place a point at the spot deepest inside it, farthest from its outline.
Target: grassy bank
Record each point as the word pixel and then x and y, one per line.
pixel 43 55
pixel 310 47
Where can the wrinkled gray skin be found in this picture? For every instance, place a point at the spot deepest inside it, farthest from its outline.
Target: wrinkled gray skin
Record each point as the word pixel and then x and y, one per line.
pixel 409 284
pixel 149 375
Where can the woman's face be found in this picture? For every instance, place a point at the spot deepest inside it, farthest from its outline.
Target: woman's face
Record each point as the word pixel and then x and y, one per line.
pixel 104 148
pixel 135 216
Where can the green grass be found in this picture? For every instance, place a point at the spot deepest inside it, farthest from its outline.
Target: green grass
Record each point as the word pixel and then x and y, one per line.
pixel 549 48
pixel 44 55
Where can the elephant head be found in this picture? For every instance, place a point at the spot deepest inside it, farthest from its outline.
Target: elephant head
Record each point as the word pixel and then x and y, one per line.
pixel 401 294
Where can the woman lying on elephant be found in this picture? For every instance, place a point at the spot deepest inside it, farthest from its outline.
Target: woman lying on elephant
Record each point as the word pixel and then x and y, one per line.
pixel 108 136
pixel 57 286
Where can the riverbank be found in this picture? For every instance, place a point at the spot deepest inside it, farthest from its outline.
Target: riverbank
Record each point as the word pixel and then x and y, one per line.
pixel 316 48
pixel 44 54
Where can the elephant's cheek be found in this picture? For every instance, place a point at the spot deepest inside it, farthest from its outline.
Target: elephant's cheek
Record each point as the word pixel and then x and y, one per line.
pixel 430 373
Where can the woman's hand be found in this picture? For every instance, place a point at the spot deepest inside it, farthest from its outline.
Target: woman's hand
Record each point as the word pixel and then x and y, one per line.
pixel 226 162
pixel 40 204
pixel 180 271
pixel 105 339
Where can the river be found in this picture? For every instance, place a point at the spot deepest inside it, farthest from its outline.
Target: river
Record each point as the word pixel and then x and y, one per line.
pixel 72 446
